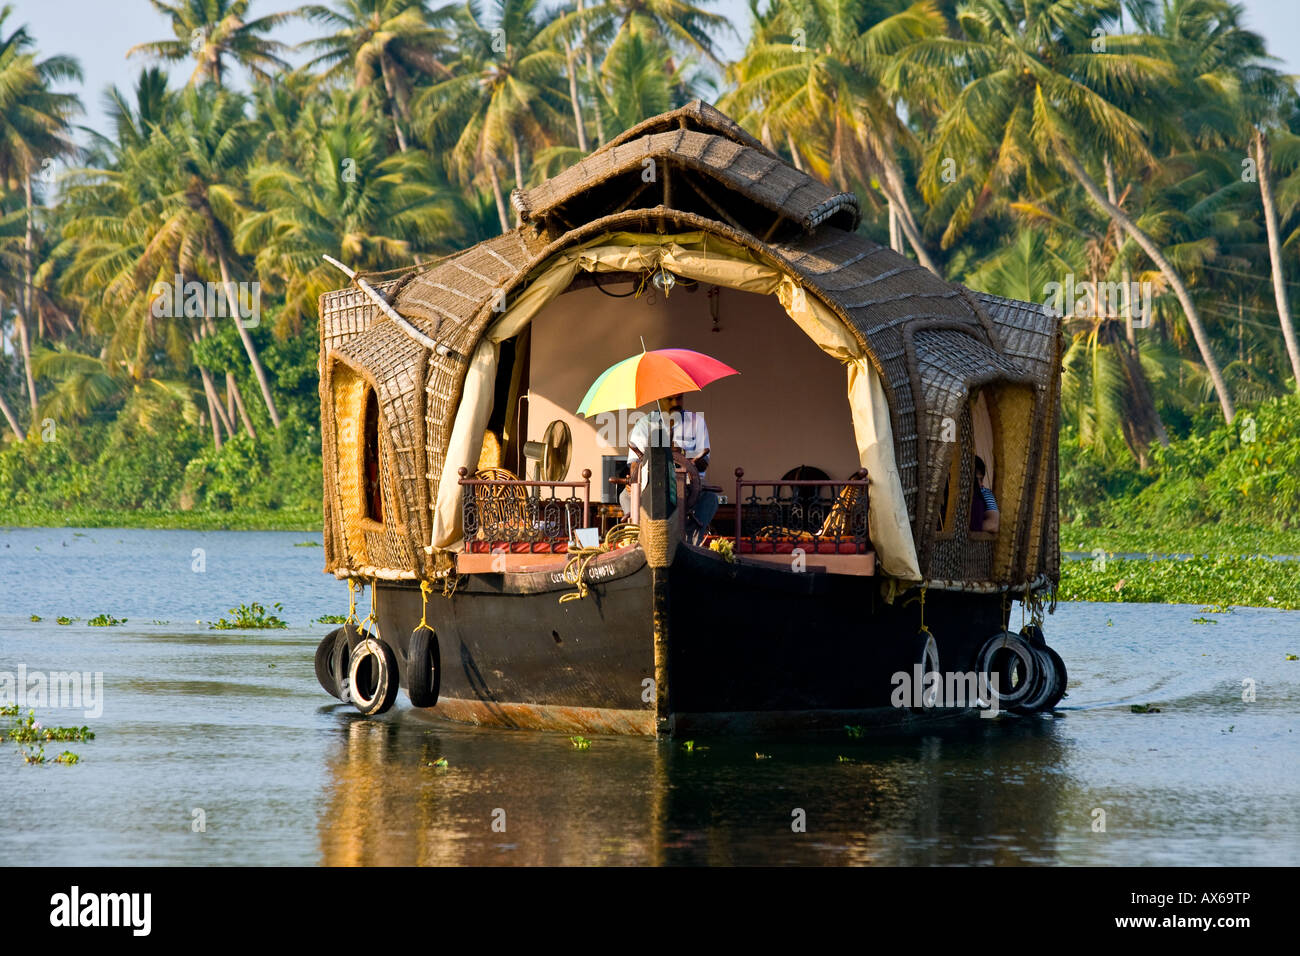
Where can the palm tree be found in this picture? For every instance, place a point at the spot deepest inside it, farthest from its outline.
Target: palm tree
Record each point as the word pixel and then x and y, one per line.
pixel 111 219
pixel 34 130
pixel 1233 98
pixel 214 143
pixel 213 31
pixel 1024 97
pixel 634 84
pixel 85 384
pixel 815 74
pixel 680 25
pixel 373 213
pixel 505 96
pixel 382 43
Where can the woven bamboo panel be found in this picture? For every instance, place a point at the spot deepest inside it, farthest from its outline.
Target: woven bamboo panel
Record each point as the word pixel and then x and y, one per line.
pixel 397 365
pixel 348 312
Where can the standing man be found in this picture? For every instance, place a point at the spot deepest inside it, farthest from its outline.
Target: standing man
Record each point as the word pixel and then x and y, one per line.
pixel 690 433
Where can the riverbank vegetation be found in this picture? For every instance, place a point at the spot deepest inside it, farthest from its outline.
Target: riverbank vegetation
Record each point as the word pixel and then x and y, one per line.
pixel 1135 166
pixel 1222 581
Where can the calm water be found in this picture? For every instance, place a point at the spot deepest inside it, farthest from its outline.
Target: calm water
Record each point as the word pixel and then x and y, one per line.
pixel 233 724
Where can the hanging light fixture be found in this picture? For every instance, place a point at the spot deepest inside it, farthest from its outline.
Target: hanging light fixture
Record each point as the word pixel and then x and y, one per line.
pixel 664 281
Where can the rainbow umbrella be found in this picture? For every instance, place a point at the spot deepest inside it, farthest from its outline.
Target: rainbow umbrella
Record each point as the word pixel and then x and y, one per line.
pixel 649 377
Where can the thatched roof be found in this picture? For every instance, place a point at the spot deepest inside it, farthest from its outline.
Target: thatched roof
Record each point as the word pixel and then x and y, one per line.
pixel 930 340
pixel 699 172
pixel 695 115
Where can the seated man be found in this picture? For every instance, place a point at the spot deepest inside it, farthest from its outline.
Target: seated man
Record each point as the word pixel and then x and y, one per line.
pixel 690 438
pixel 983 506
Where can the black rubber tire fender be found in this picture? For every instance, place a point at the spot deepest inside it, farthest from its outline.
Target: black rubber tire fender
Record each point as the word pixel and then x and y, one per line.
pixel 1037 699
pixel 326 674
pixel 1024 653
pixel 373 676
pixel 1034 635
pixel 1062 679
pixel 925 651
pixel 348 637
pixel 423 673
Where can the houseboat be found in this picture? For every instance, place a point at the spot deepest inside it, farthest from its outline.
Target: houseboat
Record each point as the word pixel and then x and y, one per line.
pixel 875 402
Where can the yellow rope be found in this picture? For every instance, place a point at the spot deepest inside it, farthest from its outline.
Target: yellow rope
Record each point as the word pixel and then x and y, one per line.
pixel 352 603
pixel 370 618
pixel 924 629
pixel 576 569
pixel 425 590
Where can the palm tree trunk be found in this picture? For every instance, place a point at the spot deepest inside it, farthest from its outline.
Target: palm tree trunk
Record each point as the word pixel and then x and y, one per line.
pixel 894 240
pixel 591 80
pixel 247 339
pixel 12 419
pixel 496 192
pixel 214 406
pixel 1262 160
pixel 571 66
pixel 1112 193
pixel 519 160
pixel 392 101
pixel 794 153
pixel 893 181
pixel 237 402
pixel 1166 269
pixel 24 313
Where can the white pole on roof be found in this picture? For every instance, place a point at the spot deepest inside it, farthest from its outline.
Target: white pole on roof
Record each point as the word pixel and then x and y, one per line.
pixel 388 310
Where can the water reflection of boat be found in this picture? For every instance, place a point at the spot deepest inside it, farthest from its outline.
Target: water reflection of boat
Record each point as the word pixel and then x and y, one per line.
pixel 925 798
pixel 856 363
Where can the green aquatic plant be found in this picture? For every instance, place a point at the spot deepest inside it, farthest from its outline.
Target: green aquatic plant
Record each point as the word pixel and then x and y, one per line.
pixel 1204 620
pixel 854 731
pixel 1144 709
pixel 67 757
pixel 67 620
pixel 105 620
pixel 250 617
pixel 1293 657
pixel 29 730
pixel 580 743
pixel 1215 582
pixel 441 763
pixel 330 619
pixel 306 544
pixel 35 618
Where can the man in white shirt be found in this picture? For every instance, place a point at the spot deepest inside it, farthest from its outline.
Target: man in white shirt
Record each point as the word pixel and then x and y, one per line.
pixel 690 433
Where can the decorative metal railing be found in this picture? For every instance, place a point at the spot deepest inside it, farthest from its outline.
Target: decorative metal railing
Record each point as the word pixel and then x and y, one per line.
pixel 823 517
pixel 506 511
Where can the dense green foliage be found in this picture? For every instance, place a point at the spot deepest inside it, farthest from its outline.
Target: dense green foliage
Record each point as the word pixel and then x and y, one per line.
pixel 1222 581
pixel 1246 474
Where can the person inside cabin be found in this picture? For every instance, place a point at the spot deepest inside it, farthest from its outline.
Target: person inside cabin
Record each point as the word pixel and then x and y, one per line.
pixel 690 438
pixel 983 506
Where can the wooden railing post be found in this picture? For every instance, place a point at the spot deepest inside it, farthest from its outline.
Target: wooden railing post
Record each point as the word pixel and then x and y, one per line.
pixel 586 497
pixel 740 473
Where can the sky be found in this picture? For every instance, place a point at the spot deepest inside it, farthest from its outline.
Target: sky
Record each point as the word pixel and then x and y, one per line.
pixel 99 32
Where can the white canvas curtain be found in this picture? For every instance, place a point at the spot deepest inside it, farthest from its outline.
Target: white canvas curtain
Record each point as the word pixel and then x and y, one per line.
pixel 709 259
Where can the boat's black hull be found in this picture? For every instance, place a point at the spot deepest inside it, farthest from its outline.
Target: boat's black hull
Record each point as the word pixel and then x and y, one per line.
pixel 749 648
